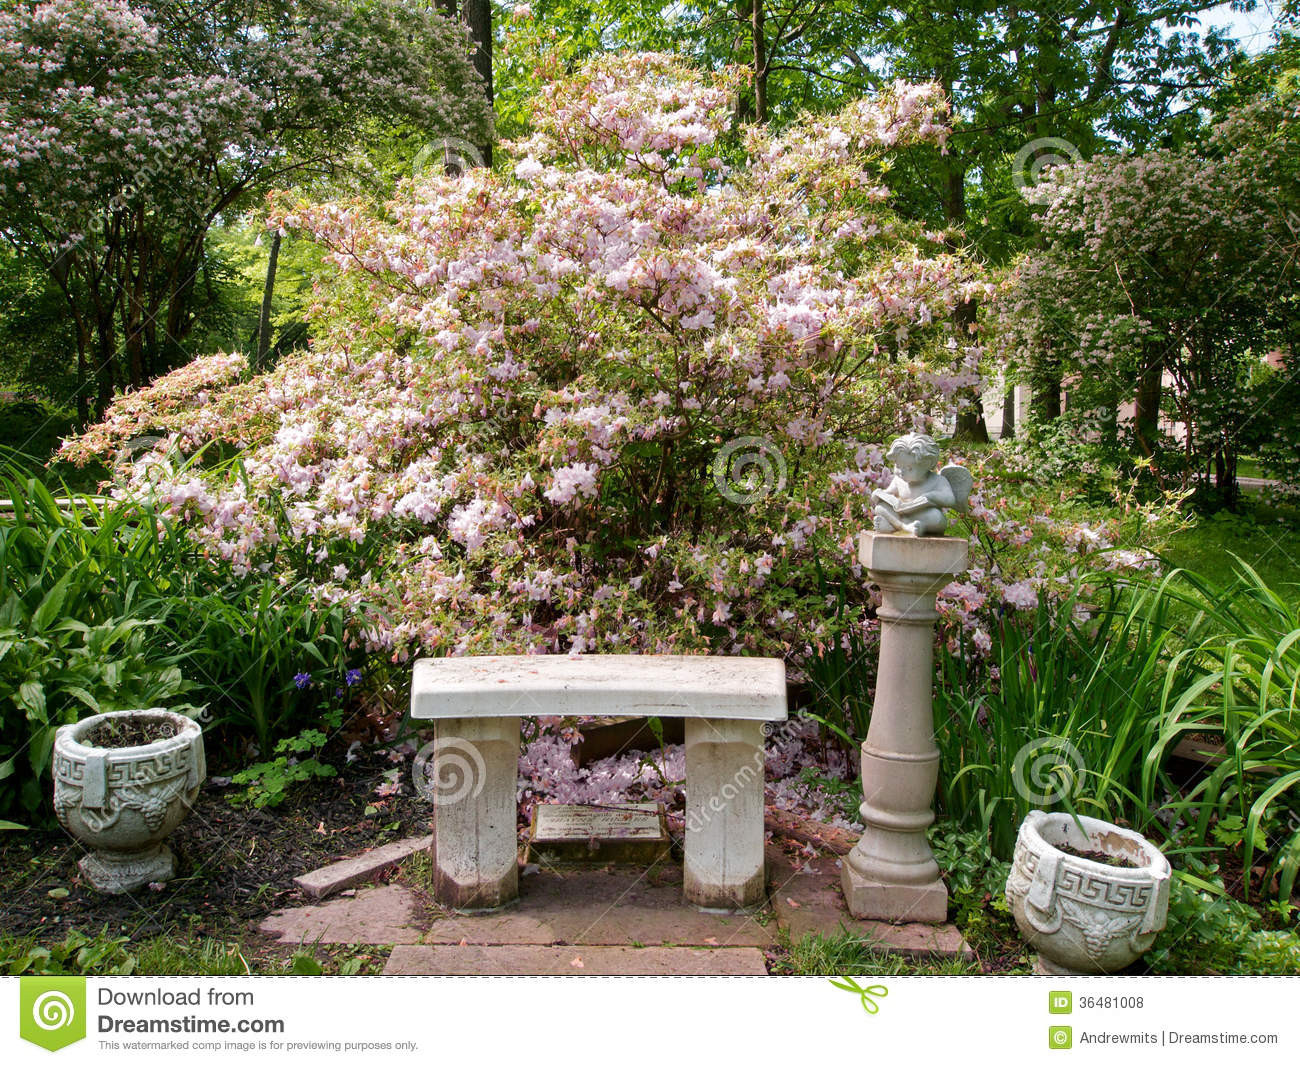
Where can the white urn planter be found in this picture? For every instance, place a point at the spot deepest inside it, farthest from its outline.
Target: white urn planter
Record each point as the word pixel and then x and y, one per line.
pixel 1081 915
pixel 124 801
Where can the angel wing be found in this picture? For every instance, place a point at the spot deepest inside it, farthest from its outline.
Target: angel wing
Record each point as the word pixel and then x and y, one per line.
pixel 961 481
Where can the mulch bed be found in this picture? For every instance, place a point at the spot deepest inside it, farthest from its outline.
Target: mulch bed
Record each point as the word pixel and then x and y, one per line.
pixel 237 863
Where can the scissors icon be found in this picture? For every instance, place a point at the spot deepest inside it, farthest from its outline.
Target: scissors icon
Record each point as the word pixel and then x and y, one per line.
pixel 867 994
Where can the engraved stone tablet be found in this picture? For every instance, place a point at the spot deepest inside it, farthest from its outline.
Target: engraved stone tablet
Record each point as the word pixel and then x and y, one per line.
pixel 622 833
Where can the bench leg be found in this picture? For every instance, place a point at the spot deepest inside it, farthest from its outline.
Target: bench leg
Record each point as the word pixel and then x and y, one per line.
pixel 471 779
pixel 724 814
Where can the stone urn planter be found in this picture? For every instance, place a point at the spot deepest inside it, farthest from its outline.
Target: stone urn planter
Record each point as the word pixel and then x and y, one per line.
pixel 122 782
pixel 1083 915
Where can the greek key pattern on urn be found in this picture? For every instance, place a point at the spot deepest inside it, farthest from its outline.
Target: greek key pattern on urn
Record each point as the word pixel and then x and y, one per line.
pixel 1074 883
pixel 142 770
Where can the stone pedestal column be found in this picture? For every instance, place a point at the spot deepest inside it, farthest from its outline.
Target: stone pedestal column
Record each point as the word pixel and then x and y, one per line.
pixel 724 814
pixel 891 874
pixel 471 780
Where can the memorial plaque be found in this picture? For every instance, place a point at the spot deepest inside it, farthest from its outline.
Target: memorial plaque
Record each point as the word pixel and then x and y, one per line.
pixel 620 833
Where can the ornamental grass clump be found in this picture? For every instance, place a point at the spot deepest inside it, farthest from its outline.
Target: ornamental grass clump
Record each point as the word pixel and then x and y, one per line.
pixel 1062 714
pixel 1238 683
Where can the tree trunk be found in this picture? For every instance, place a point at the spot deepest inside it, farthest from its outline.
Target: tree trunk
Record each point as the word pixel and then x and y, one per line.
pixel 1045 383
pixel 133 307
pixel 83 400
pixel 759 32
pixel 105 352
pixel 264 319
pixel 1225 473
pixel 1146 414
pixel 478 17
pixel 744 93
pixel 970 419
pixel 1047 395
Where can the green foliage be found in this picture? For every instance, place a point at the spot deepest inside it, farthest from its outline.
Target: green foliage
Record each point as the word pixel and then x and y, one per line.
pixel 247 640
pixel 841 672
pixel 296 759
pixel 31 432
pixel 1265 536
pixel 1063 715
pixel 55 670
pixel 1275 429
pixel 1212 933
pixel 1093 463
pixel 1246 672
pixel 104 606
pixel 37 339
pixel 179 952
pixel 976 886
pixel 78 954
pixel 848 955
pixel 77 629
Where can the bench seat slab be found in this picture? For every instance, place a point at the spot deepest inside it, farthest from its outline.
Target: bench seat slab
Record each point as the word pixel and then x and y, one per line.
pixel 704 686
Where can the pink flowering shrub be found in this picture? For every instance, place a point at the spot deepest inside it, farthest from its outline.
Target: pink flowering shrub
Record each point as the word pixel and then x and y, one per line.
pixel 536 394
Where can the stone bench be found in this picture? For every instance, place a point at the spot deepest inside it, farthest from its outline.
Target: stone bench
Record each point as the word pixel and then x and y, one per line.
pixel 476 704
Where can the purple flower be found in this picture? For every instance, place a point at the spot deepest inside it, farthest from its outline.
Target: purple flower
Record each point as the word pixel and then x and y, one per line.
pixel 301 680
pixel 353 676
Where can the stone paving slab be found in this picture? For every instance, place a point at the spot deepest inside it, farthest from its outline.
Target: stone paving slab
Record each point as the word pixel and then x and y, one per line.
pixel 339 876
pixel 807 900
pixel 384 914
pixel 533 960
pixel 588 907
pixel 603 907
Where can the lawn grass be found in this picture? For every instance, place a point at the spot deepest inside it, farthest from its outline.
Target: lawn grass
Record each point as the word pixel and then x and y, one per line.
pixel 180 951
pixel 1265 535
pixel 851 956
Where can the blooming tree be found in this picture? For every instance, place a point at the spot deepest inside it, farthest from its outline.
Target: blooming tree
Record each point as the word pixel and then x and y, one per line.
pixel 1168 266
pixel 128 130
pixel 617 398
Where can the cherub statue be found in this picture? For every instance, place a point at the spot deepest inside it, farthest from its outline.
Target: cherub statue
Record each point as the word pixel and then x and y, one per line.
pixel 916 500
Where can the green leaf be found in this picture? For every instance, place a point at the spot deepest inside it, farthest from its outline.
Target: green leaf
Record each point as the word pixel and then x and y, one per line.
pixel 83 696
pixel 31 697
pixel 52 604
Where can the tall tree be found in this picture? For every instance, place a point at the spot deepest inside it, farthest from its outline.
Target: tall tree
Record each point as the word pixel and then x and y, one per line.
pixel 1033 82
pixel 1178 263
pixel 477 16
pixel 130 131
